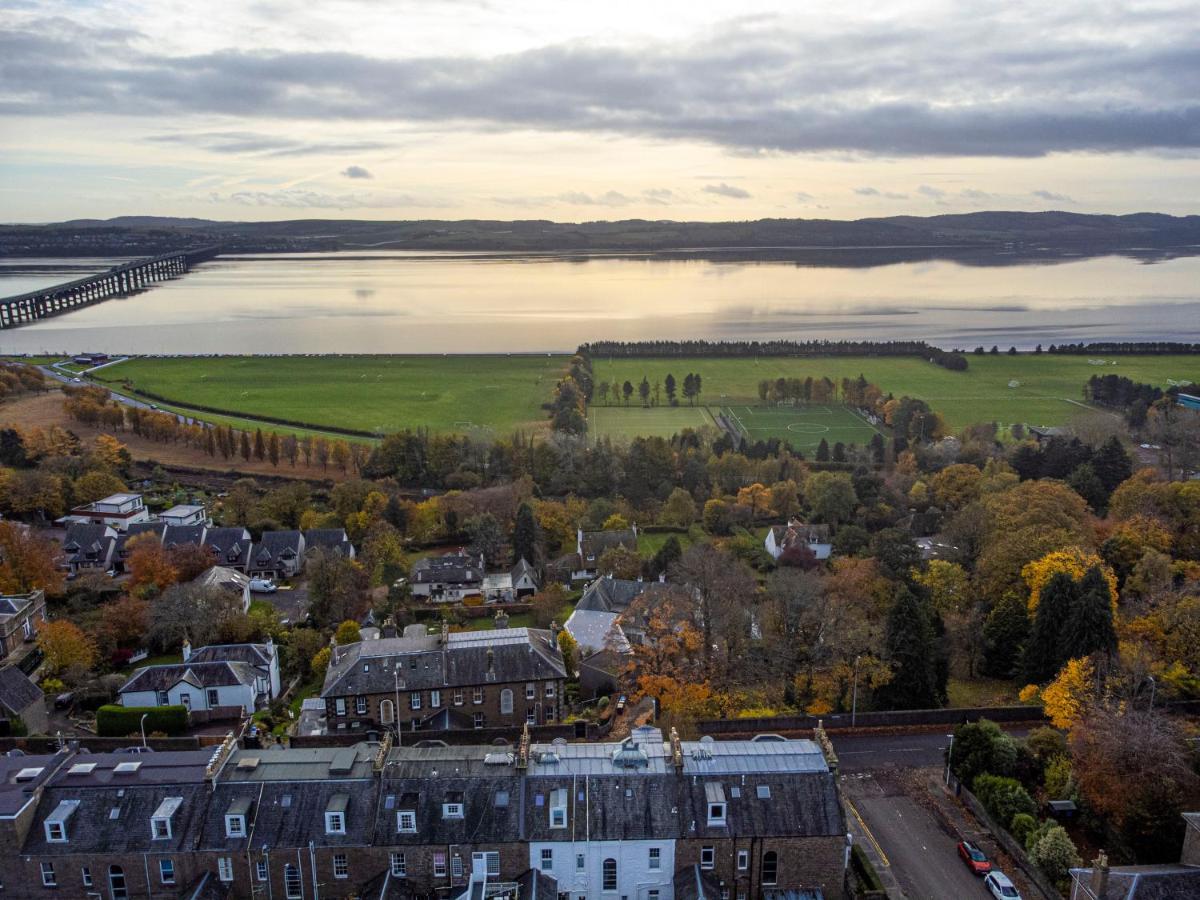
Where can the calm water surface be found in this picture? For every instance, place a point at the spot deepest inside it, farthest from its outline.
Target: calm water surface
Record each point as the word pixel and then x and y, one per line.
pixel 445 303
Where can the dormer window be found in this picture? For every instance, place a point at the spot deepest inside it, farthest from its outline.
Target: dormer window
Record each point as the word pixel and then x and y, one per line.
pixel 558 808
pixel 235 826
pixel 56 822
pixel 715 795
pixel 160 822
pixel 335 814
pixel 453 807
pixel 406 821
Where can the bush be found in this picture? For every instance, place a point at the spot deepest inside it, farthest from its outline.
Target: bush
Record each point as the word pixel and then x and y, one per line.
pixel 1022 826
pixel 1060 782
pixel 1003 797
pixel 979 748
pixel 1054 852
pixel 119 721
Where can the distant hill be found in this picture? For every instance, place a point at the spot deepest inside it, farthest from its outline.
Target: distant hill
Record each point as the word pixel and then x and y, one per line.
pixel 995 232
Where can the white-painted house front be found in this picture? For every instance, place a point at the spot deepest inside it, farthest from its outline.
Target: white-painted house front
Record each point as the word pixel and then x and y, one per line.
pixel 639 870
pixel 245 676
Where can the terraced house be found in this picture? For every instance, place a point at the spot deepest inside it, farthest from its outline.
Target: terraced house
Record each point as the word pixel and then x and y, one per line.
pixel 645 819
pixel 474 679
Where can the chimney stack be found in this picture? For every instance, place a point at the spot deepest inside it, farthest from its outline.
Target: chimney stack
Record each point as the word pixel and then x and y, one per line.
pixel 187 649
pixel 445 632
pixel 676 750
pixel 1099 883
pixel 554 629
pixel 501 620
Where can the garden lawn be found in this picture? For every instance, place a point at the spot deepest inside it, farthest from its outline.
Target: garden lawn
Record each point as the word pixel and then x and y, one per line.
pixel 486 395
pixel 1049 389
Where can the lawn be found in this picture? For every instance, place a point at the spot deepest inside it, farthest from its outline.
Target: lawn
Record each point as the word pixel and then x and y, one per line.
pixel 488 395
pixel 803 427
pixel 1048 390
pixel 649 543
pixel 623 423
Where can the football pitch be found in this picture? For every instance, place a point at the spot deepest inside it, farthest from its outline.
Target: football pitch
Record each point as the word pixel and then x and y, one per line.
pixel 804 427
pixel 623 423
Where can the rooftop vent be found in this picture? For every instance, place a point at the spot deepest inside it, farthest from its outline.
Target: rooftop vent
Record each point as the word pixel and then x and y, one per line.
pixel 127 768
pixel 630 756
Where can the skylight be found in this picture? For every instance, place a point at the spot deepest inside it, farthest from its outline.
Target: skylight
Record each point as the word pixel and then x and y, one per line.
pixel 29 774
pixel 127 768
pixel 81 768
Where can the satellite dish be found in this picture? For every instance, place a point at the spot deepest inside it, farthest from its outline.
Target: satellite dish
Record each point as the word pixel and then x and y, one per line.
pixel 707 739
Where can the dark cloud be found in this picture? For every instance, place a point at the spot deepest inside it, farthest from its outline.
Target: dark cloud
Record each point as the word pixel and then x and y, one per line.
pixel 957 84
pixel 727 190
pixel 931 192
pixel 356 172
pixel 1052 197
pixel 660 196
pixel 974 195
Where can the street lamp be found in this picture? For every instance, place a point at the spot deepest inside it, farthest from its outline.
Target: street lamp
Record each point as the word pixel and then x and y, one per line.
pixel 142 725
pixel 1153 688
pixel 949 755
pixel 854 695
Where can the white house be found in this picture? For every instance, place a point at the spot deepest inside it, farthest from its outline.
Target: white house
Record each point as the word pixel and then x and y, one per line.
pixel 624 868
pixel 243 676
pixel 814 537
pixel 117 511
pixel 184 514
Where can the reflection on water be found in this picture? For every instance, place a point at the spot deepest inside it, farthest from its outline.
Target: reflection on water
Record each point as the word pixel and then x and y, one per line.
pixel 444 302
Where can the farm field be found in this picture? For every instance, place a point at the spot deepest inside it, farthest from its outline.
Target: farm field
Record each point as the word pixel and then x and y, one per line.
pixel 622 423
pixel 1048 391
pixel 486 395
pixel 802 427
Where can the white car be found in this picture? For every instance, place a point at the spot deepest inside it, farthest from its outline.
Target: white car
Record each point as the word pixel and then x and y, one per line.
pixel 1000 887
pixel 262 586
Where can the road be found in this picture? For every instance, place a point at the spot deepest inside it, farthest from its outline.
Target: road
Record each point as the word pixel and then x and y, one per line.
pixel 861 752
pixel 918 849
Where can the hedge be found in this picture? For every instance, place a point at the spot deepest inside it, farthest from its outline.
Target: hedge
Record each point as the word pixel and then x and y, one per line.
pixel 119 721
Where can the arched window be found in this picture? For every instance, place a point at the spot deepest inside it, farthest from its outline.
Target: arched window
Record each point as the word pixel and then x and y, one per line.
pixel 506 702
pixel 770 867
pixel 609 882
pixel 116 883
pixel 387 712
pixel 292 886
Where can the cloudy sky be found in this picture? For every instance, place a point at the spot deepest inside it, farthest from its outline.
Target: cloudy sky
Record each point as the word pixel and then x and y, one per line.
pixel 573 110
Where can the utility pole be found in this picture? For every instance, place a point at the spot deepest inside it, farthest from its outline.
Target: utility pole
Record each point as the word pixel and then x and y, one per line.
pixel 854 695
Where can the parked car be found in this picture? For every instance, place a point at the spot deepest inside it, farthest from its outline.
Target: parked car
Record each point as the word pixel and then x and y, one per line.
pixel 262 586
pixel 1000 887
pixel 64 700
pixel 621 704
pixel 975 859
pixel 135 749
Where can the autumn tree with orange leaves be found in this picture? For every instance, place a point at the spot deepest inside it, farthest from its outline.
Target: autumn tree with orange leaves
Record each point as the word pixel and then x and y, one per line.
pixel 151 570
pixel 28 561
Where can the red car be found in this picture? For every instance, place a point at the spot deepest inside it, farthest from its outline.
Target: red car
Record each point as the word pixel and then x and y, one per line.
pixel 974 858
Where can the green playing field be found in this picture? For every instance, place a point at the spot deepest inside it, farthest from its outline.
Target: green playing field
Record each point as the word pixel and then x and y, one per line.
pixel 804 427
pixel 622 423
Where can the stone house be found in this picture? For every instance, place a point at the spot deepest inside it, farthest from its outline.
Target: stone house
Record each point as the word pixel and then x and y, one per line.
pixel 21 616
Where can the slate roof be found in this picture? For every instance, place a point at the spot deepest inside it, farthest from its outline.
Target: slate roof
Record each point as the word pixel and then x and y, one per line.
pixel 199 675
pixel 93 829
pixel 484 821
pixel 232 545
pixel 184 534
pixel 271 549
pixel 523 568
pixel 815 537
pixel 17 692
pixel 693 883
pixel 453 568
pixel 614 595
pixel 1163 882
pixel 291 813
pixel 15 794
pixel 84 537
pixel 14 605
pixel 592 628
pixel 518 654
pixel 257 655
pixel 594 543
pixel 138 528
pixel 327 539
pixel 223 577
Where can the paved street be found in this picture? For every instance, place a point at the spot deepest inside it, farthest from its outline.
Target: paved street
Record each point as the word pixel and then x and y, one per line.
pixel 918 848
pixel 874 751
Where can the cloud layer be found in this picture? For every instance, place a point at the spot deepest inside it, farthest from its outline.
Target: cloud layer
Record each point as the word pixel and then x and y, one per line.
pixel 957 84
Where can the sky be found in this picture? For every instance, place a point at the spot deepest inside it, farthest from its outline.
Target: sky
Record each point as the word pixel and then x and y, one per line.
pixel 578 111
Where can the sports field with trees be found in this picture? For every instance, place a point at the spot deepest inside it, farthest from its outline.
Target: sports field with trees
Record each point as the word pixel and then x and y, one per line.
pixel 378 394
pixel 1048 388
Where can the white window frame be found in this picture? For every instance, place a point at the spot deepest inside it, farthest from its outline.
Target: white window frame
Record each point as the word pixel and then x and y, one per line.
pixel 480 720
pixel 458 697
pixel 580 862
pixel 85 873
pixel 452 811
pixel 743 860
pixel 56 832
pixel 530 690
pixel 341 865
pixel 225 868
pixel 616 875
pixel 410 816
pixel 708 857
pixel 399 865
pixel 414 700
pixel 213 697
pixel 260 871
pixel 360 706
pixel 546 862
pixel 339 706
pixel 166 870
pixel 335 823
pixel 716 813
pixel 506 702
pixel 49 879
pixel 435 699
pixel 163 698
pixel 550 688
pixel 439 864
pixel 293 888
pixel 654 859
pixel 531 715
pixel 155 823
pixel 456 867
pixel 235 826
pixel 477 695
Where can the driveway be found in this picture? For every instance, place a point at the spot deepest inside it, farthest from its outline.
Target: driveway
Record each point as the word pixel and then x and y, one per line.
pixel 918 850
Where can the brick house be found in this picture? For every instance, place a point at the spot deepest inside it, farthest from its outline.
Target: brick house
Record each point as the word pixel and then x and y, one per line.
pixel 21 616
pixel 476 679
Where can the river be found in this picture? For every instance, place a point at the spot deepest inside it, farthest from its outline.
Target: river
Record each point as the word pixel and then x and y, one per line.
pixel 426 302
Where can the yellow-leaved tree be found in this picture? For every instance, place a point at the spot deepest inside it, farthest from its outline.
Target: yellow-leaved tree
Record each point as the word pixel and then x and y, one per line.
pixel 1075 562
pixel 1069 695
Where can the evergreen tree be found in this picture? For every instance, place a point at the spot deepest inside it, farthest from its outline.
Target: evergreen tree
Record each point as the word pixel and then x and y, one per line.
pixel 1004 633
pixel 1045 654
pixel 1090 626
pixel 1086 484
pixel 1112 464
pixel 260 445
pixel 627 391
pixel 245 446
pixel 911 645
pixel 823 451
pixel 668 554
pixel 525 536
pixel 839 452
pixel 669 385
pixel 644 391
pixel 395 513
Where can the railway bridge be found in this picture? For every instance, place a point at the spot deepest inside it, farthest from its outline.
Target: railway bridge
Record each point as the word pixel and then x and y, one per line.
pixel 119 281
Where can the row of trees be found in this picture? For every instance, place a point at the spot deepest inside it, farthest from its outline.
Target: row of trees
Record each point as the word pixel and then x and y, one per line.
pixel 652 396
pixel 633 349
